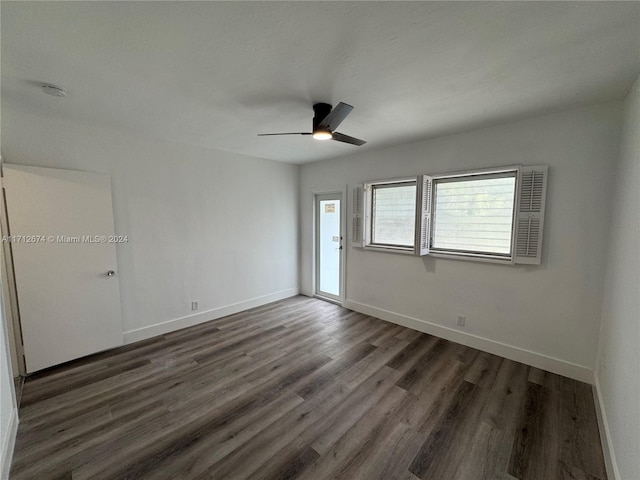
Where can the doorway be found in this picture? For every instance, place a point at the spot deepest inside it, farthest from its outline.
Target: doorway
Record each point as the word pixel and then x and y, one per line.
pixel 328 246
pixel 64 262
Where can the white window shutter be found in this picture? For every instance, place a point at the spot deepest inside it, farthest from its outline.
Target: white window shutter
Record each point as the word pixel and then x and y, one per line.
pixel 532 192
pixel 423 215
pixel 357 217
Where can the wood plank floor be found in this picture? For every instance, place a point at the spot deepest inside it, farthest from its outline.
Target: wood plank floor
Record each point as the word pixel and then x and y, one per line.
pixel 304 389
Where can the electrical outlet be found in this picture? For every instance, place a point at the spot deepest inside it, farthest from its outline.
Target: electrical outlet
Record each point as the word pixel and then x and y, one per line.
pixel 194 305
pixel 462 320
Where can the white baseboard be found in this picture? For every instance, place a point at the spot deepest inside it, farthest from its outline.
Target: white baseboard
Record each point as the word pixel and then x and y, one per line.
pixel 8 444
pixel 201 317
pixel 544 362
pixel 605 433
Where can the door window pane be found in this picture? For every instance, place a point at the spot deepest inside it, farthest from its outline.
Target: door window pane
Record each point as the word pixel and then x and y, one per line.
pixel 329 246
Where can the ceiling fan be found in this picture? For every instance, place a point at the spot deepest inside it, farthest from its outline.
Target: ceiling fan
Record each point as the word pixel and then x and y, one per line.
pixel 325 122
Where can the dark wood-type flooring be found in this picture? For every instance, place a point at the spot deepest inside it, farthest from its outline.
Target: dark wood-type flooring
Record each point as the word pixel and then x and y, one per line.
pixel 304 389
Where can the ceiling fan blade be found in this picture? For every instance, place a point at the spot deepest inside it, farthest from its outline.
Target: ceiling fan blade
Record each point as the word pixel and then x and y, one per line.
pixel 290 133
pixel 335 117
pixel 340 137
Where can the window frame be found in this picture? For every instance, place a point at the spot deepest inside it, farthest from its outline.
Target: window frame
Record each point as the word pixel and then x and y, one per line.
pixel 368 188
pixel 527 233
pixel 501 172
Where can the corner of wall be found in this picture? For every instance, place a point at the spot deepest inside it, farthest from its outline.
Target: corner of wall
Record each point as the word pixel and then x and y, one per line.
pixel 299 231
pixel 605 434
pixel 610 388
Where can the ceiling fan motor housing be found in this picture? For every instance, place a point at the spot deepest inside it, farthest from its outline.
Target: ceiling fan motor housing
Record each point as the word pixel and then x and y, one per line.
pixel 320 110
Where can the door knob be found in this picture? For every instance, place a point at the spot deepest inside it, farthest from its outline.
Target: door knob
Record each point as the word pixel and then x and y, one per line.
pixel 111 273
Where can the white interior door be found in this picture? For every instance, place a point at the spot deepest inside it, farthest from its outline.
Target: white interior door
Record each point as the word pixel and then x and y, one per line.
pixel 329 246
pixel 61 229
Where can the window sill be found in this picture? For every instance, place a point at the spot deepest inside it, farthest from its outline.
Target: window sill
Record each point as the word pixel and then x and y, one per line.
pixel 472 257
pixel 401 250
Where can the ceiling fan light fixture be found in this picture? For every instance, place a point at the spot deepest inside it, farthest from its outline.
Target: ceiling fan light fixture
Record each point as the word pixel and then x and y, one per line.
pixel 322 135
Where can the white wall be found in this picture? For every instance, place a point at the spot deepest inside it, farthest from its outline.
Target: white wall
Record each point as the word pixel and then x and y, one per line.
pixel 552 310
pixel 618 369
pixel 203 225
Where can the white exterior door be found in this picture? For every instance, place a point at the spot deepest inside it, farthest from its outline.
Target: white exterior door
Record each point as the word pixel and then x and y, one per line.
pixel 329 246
pixel 64 254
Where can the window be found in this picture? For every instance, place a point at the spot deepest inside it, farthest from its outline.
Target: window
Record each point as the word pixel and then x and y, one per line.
pixel 384 215
pixel 393 214
pixel 474 214
pixel 488 215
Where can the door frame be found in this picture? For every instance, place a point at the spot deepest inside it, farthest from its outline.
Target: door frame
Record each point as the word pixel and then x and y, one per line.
pixel 342 193
pixel 10 301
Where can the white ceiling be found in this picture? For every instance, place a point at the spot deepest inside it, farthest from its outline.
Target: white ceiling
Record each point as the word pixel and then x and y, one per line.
pixel 215 74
